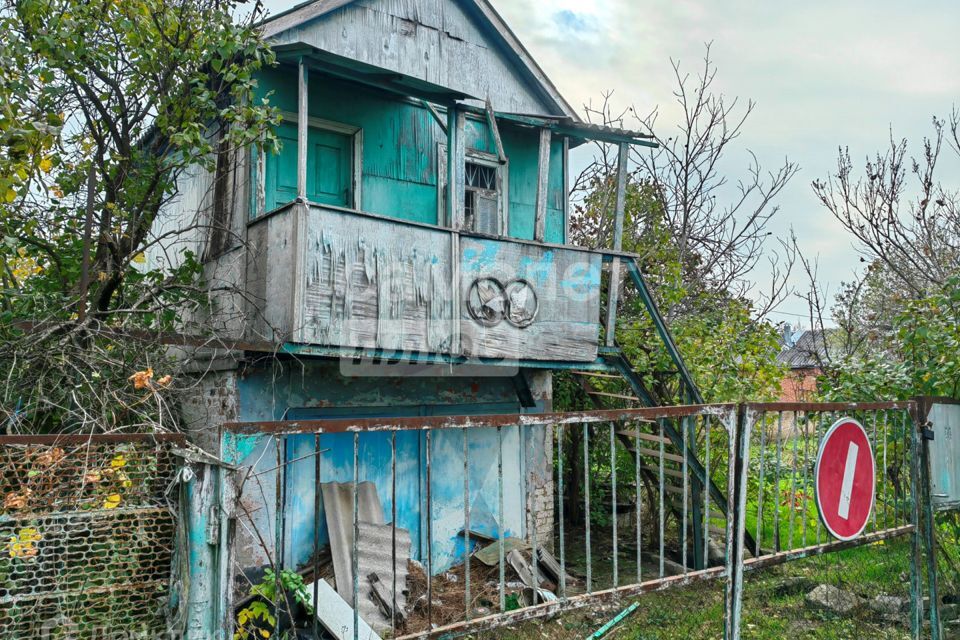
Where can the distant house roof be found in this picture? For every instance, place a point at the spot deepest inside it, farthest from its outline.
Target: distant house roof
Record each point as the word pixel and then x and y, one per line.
pixel 803 349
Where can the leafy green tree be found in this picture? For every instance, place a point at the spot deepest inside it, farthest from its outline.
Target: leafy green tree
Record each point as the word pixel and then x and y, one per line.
pixel 104 105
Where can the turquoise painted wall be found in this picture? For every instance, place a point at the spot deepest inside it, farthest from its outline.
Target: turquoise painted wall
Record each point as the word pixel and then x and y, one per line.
pixel 400 144
pixel 308 390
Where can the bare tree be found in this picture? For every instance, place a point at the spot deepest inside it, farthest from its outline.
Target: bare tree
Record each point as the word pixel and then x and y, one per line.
pixel 897 210
pixel 719 225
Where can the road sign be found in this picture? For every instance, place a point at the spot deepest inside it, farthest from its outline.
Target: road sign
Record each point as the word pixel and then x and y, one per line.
pixel 845 479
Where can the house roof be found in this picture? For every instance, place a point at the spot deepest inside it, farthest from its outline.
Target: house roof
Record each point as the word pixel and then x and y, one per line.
pixel 806 350
pixel 481 10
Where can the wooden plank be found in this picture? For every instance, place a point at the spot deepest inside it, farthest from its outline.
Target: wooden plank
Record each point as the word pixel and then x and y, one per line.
pixel 336 615
pixel 495 132
pixel 673 473
pixel 567 307
pixel 649 437
pixel 456 166
pixel 303 128
pixel 672 457
pixel 613 395
pixel 370 284
pixel 543 180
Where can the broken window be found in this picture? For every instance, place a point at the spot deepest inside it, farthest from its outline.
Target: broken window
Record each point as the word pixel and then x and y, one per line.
pixel 484 197
pixel 481 199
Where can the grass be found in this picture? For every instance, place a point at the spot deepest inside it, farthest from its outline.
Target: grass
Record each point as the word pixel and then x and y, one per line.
pixel 774 605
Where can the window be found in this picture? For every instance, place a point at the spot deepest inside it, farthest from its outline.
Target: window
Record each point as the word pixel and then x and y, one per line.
pixel 481 199
pixel 484 197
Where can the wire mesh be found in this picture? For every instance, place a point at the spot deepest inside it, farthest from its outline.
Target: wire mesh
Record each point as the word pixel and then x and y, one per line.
pixel 87 537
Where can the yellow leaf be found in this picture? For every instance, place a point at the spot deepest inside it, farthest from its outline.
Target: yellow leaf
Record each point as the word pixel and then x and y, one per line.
pixel 118 462
pixel 46 165
pixel 11 195
pixel 264 633
pixel 112 501
pixel 140 258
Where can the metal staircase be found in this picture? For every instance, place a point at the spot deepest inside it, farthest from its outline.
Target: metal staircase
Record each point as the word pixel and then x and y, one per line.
pixel 667 434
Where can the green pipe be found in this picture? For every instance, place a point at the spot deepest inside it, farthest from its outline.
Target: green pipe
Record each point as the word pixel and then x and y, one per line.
pixel 623 615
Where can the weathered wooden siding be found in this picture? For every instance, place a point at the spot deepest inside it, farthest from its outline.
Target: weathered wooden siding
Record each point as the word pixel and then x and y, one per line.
pixel 433 40
pixel 271 264
pixel 331 277
pixel 369 283
pixel 400 144
pixel 567 287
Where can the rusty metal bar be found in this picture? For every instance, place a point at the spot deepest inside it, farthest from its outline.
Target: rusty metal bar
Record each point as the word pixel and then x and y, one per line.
pixel 96 438
pixel 278 535
pixel 774 559
pixel 613 501
pixel 423 423
pixel 875 444
pixel 316 530
pixel 661 511
pixel 806 474
pixel 500 532
pixel 560 496
pixel 706 494
pixel 793 483
pixel 466 526
pixel 686 496
pixel 760 495
pixel 776 493
pixel 393 532
pixel 430 531
pixel 829 406
pixel 532 509
pixel 639 503
pixel 586 500
pixel 356 536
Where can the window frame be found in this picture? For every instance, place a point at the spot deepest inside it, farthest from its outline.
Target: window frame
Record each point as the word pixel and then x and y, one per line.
pixel 503 186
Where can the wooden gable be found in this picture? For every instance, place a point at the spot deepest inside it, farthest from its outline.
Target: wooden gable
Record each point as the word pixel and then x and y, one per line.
pixel 462 45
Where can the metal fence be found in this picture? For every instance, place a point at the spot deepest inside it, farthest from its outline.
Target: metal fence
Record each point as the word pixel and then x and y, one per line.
pixel 87 536
pixel 865 586
pixel 662 497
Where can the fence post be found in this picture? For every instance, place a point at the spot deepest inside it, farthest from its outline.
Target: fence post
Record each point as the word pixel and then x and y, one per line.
pixel 923 434
pixel 736 525
pixel 916 587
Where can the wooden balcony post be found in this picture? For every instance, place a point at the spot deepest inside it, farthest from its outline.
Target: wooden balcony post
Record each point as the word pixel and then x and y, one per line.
pixel 303 128
pixel 614 293
pixel 456 159
pixel 543 182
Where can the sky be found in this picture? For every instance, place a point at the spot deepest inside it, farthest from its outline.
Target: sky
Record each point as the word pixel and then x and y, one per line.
pixel 823 74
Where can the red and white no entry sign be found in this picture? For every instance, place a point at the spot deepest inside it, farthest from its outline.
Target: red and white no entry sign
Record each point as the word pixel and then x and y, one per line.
pixel 846 479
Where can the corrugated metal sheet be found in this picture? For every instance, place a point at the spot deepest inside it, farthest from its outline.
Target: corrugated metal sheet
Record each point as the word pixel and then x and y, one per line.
pixel 375 551
pixel 374 547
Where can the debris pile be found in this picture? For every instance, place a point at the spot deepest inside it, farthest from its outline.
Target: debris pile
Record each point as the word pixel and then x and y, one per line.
pixel 392 589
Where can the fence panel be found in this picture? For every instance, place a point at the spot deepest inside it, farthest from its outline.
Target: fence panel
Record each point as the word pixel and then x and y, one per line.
pixel 797 577
pixel 87 536
pixel 460 516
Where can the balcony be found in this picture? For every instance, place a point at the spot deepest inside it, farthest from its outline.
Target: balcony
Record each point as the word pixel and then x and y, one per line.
pixel 330 277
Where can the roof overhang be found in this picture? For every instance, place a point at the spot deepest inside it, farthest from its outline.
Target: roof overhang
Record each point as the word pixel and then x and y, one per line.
pixel 341 67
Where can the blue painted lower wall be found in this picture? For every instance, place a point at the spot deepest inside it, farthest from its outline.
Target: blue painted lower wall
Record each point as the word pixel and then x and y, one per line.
pixel 316 390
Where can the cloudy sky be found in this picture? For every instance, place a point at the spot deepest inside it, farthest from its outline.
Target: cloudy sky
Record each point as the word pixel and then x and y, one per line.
pixel 824 73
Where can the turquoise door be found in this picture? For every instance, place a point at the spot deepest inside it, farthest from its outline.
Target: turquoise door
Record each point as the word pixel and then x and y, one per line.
pixel 329 168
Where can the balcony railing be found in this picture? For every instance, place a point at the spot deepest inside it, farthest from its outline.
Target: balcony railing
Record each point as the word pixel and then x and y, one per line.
pixel 326 276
